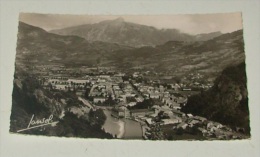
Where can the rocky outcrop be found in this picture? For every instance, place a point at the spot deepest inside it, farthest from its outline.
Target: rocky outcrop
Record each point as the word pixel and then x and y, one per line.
pixel 30 99
pixel 227 101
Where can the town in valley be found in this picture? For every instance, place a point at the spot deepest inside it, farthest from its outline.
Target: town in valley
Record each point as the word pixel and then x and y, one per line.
pixel 130 87
pixel 152 108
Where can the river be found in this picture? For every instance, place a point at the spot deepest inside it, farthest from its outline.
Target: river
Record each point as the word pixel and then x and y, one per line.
pixel 133 130
pixel 123 128
pixel 113 125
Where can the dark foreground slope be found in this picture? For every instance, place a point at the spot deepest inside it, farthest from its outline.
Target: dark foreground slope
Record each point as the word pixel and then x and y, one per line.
pixel 227 101
pixel 29 98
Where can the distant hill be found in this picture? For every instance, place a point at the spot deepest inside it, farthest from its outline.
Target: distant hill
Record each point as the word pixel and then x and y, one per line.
pixel 36 45
pixel 131 34
pixel 207 36
pixel 179 57
pixel 227 101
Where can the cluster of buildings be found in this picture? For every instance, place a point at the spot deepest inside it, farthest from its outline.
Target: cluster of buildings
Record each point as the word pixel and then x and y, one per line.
pixel 154 118
pixel 126 93
pixel 170 98
pixel 196 81
pixel 98 88
pixel 124 112
pixel 101 84
pixel 186 122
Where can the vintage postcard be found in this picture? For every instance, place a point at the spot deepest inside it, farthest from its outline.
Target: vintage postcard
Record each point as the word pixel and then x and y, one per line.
pixel 144 77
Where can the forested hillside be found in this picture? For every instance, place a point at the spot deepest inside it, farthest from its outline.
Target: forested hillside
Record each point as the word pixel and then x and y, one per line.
pixel 227 101
pixel 29 98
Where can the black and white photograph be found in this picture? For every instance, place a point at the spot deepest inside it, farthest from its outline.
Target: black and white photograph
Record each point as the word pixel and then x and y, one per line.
pixel 131 77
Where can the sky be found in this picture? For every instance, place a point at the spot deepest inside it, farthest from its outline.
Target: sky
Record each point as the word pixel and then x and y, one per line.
pixel 187 23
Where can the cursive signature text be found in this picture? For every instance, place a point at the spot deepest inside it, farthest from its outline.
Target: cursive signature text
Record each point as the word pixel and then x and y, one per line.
pixel 34 123
pixel 40 122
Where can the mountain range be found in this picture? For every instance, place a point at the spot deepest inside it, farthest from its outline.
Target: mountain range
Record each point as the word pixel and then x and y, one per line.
pixel 130 34
pixel 38 46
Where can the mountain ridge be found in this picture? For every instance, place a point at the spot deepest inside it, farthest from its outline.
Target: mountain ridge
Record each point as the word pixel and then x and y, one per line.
pixel 130 34
pixel 38 46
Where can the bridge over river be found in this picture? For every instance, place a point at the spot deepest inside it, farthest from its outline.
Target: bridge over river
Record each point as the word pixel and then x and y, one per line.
pixel 122 128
